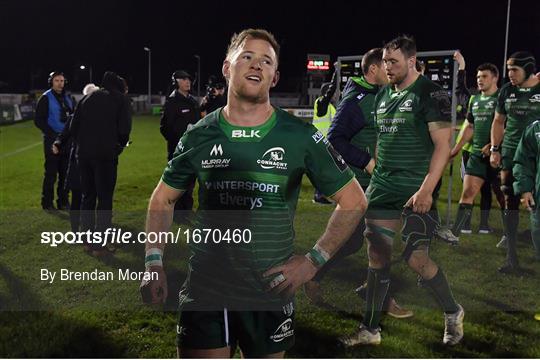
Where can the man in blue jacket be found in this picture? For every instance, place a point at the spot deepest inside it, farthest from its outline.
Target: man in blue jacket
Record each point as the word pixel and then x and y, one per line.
pixel 52 112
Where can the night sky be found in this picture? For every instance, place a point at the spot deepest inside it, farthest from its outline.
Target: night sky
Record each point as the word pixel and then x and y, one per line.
pixel 41 36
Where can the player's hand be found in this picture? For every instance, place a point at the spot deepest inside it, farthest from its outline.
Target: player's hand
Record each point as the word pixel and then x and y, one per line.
pixel 370 166
pixel 527 200
pixel 486 150
pixel 495 159
pixel 55 149
pixel 420 202
pixel 460 60
pixel 154 291
pixel 295 272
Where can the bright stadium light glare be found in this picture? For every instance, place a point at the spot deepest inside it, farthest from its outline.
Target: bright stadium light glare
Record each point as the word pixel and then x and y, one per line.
pixel 89 68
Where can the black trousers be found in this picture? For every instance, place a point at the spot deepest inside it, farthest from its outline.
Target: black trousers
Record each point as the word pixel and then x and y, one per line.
pixel 54 165
pixel 75 210
pixel 98 179
pixel 73 184
pixel 184 205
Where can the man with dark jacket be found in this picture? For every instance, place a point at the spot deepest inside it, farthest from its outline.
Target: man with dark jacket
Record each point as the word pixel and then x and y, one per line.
pixel 53 109
pixel 180 110
pixel 101 127
pixel 63 143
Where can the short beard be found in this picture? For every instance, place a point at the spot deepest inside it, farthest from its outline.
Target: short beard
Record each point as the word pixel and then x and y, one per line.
pixel 397 81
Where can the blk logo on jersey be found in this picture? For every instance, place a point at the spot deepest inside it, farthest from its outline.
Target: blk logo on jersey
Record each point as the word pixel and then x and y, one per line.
pixel 273 159
pixel 245 134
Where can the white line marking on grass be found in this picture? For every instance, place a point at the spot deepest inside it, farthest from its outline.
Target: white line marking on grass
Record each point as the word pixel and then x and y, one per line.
pixel 20 150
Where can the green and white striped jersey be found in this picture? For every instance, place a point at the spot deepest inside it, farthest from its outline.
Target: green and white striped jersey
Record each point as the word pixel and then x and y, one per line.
pixel 404 145
pixel 249 178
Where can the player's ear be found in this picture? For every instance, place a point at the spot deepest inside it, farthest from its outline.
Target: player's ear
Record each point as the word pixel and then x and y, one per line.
pixel 373 69
pixel 412 62
pixel 275 79
pixel 226 69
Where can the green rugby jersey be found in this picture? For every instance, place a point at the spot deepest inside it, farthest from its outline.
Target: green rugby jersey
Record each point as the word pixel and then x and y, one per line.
pixel 249 178
pixel 521 107
pixel 480 112
pixel 404 145
pixel 526 168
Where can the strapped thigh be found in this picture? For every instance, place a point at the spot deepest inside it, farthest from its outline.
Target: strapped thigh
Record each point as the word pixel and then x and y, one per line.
pixel 377 234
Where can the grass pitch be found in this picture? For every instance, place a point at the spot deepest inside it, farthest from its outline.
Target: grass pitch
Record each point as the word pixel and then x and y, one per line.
pixel 107 319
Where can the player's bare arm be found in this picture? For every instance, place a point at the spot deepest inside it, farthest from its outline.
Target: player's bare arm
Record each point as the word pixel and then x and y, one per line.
pixel 159 219
pixel 465 138
pixel 351 206
pixel 497 132
pixel 421 201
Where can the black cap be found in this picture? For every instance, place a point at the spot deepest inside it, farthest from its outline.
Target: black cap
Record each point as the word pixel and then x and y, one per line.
pixel 181 74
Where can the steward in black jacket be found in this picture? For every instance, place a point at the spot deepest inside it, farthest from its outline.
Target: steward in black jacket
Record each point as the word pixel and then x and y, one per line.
pixel 180 110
